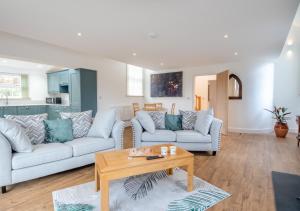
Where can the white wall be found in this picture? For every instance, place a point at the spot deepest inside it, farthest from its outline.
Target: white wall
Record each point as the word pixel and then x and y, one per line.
pixel 111 74
pixel 246 115
pixel 287 78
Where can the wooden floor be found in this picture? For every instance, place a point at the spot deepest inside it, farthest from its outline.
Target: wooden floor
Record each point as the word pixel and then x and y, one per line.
pixel 242 168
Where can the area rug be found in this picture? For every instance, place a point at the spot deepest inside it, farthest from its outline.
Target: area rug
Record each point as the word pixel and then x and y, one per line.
pixel 286 190
pixel 169 194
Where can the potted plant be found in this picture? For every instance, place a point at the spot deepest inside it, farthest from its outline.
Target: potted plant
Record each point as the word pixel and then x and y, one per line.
pixel 281 127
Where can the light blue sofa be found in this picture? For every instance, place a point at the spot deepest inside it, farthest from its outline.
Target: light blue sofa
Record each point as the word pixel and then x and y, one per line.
pixel 190 140
pixel 52 158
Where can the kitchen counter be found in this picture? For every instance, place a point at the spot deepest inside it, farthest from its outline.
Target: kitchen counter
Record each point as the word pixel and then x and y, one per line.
pixel 31 104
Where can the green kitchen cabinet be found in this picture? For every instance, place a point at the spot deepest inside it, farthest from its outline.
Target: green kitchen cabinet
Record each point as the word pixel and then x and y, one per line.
pixel 10 110
pixel 55 110
pixel 75 87
pixel 83 90
pixel 26 110
pixel 42 109
pixel 53 83
pixel 1 111
pixel 63 77
pixel 31 109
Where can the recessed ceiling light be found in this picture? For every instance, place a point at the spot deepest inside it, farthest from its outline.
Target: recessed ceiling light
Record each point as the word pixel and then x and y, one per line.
pixel 162 64
pixel 134 54
pixel 290 42
pixel 236 53
pixel 152 35
pixel 289 53
pixel 79 34
pixel 226 36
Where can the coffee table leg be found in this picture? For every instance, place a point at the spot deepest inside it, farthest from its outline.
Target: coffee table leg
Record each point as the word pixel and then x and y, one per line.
pixel 104 194
pixel 170 171
pixel 97 179
pixel 190 175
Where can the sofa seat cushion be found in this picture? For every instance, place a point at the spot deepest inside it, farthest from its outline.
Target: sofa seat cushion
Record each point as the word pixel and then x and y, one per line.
pixel 191 136
pixel 159 136
pixel 87 145
pixel 41 154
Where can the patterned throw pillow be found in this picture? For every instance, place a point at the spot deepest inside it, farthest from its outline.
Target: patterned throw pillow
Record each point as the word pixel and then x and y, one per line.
pixel 33 125
pixel 82 122
pixel 158 118
pixel 188 119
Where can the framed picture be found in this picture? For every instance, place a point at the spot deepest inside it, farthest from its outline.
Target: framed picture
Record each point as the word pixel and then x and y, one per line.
pixel 166 84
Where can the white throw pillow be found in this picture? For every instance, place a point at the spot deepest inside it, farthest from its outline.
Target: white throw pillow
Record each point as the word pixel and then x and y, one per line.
pixel 16 135
pixel 146 121
pixel 203 121
pixel 33 125
pixel 103 124
pixel 82 122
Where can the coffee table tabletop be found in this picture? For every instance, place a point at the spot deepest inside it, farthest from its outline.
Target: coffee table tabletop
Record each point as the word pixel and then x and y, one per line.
pixel 117 164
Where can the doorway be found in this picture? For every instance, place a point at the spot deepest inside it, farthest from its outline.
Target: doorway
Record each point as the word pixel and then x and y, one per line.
pixel 205 92
pixel 211 91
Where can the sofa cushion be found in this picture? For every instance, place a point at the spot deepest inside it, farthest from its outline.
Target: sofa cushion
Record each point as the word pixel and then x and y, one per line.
pixel 87 145
pixel 173 122
pixel 158 118
pixel 146 121
pixel 41 154
pixel 82 122
pixel 33 125
pixel 203 121
pixel 159 136
pixel 58 130
pixel 191 136
pixel 188 119
pixel 15 135
pixel 103 124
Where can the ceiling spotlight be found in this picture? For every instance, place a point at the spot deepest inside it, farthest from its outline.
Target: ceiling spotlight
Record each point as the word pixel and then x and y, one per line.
pixel 162 64
pixel 79 34
pixel 152 35
pixel 236 53
pixel 289 53
pixel 226 36
pixel 290 42
pixel 134 54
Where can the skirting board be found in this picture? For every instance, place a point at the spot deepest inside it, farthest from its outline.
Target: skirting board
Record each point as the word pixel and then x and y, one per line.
pixel 257 131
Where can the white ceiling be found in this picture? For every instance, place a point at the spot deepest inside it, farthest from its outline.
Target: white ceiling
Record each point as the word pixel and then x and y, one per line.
pixel 189 32
pixel 24 65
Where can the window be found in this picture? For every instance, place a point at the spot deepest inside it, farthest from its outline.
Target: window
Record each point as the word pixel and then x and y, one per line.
pixel 135 81
pixel 13 85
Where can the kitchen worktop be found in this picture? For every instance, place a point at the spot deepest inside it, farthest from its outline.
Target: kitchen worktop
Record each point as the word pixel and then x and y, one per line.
pixel 31 104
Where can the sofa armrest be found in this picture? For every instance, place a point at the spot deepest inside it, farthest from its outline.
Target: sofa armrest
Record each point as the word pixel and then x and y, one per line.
pixel 118 134
pixel 5 161
pixel 215 133
pixel 137 131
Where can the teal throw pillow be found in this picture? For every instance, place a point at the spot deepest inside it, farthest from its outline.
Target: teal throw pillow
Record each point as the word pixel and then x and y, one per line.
pixel 59 130
pixel 173 122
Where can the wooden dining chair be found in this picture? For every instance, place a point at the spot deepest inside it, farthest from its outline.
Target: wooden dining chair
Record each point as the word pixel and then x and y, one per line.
pixel 173 108
pixel 150 106
pixel 159 106
pixel 136 108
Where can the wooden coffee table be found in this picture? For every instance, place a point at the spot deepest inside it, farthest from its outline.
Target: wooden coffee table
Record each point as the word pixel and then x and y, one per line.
pixel 116 165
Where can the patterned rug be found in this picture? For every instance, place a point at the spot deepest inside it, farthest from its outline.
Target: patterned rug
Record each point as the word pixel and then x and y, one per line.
pixel 168 194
